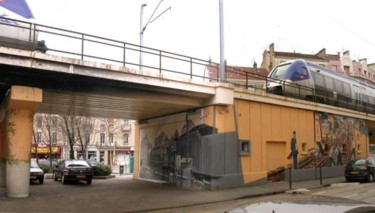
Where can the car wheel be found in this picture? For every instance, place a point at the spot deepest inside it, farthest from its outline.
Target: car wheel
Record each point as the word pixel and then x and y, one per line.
pixel 89 181
pixel 63 179
pixel 41 180
pixel 55 178
pixel 370 178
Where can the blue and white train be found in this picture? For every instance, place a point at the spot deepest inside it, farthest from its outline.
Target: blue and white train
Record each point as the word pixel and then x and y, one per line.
pixel 16 26
pixel 302 79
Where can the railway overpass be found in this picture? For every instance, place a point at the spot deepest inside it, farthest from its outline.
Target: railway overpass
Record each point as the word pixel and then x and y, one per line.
pixel 194 131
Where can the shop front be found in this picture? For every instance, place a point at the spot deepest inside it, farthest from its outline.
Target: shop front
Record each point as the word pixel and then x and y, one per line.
pixel 44 152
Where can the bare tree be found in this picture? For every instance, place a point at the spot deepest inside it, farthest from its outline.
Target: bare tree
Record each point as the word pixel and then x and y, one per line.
pixel 111 126
pixel 68 129
pixel 85 128
pixel 48 131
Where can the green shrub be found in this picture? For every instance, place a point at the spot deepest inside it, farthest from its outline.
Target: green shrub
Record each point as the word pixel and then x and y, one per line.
pixel 46 169
pixel 102 170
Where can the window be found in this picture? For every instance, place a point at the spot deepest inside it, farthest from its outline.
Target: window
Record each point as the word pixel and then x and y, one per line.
pixel 126 139
pixel 329 83
pixel 338 86
pixel 347 90
pixel 54 121
pixel 102 138
pixel 334 67
pixel 87 138
pixel 54 137
pixel 126 126
pixel 346 69
pixel 39 137
pixel 245 147
pixel 318 79
pixel 102 127
pixel 110 137
pixel 304 147
pixel 39 121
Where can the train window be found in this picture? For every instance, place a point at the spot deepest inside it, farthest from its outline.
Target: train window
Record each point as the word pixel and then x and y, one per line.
pixel 365 98
pixel 371 100
pixel 338 86
pixel 347 90
pixel 280 71
pixel 329 82
pixel 319 81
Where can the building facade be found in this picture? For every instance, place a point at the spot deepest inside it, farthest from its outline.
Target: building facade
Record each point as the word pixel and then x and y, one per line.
pixel 109 141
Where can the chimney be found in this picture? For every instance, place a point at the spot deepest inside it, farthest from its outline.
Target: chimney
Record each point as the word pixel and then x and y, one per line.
pixel 255 67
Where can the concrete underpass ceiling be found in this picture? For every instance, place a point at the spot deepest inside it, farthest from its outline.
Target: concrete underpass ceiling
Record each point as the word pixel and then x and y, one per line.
pixel 132 107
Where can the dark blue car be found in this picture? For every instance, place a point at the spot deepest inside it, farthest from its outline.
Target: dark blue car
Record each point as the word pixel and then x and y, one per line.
pixel 361 169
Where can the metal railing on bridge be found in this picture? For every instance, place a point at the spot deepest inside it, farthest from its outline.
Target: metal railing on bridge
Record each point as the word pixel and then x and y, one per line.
pixel 57 41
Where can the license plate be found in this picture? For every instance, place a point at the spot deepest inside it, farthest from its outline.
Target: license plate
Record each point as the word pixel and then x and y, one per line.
pixel 354 172
pixel 32 177
pixel 81 176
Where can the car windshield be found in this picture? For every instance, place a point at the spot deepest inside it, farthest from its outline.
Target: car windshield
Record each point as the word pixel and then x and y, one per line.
pixel 360 162
pixel 34 164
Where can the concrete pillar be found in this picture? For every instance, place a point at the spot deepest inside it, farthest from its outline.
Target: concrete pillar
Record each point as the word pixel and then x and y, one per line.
pixel 3 153
pixel 22 104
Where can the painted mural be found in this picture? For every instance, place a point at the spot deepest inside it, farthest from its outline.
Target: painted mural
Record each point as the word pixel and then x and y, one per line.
pixel 339 139
pixel 158 144
pixel 183 150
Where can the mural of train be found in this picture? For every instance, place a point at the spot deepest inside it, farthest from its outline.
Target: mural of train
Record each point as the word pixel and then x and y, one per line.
pixel 299 78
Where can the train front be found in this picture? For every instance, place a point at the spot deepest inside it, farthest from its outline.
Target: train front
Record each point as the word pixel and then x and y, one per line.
pixel 17 28
pixel 290 79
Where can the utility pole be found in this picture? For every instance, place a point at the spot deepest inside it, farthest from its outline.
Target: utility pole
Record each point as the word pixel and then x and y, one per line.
pixel 143 29
pixel 221 18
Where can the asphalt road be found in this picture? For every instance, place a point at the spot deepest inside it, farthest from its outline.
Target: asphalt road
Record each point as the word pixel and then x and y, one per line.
pixel 123 194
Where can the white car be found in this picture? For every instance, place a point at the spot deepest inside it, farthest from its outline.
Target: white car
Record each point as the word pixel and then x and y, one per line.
pixel 36 173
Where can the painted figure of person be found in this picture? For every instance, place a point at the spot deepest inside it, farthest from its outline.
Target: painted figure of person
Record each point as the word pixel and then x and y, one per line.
pixel 319 150
pixel 339 155
pixel 352 149
pixel 331 156
pixel 294 150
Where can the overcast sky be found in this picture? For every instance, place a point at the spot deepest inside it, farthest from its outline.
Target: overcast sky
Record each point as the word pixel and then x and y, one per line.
pixel 191 27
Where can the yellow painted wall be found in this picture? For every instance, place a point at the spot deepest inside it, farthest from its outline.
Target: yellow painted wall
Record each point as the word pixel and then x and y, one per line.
pixel 136 151
pixel 269 128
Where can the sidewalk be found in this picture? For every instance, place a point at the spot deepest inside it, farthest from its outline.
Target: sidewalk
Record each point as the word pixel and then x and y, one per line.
pixel 123 194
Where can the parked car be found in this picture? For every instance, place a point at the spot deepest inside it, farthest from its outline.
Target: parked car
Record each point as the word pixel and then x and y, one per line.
pixel 92 162
pixel 36 173
pixel 73 170
pixel 360 169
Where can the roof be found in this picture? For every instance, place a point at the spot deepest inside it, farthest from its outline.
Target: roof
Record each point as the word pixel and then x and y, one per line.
pixel 333 57
pixel 298 55
pixel 239 72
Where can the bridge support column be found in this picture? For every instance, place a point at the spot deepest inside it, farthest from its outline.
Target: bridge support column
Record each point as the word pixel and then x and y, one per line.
pixel 22 104
pixel 3 153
